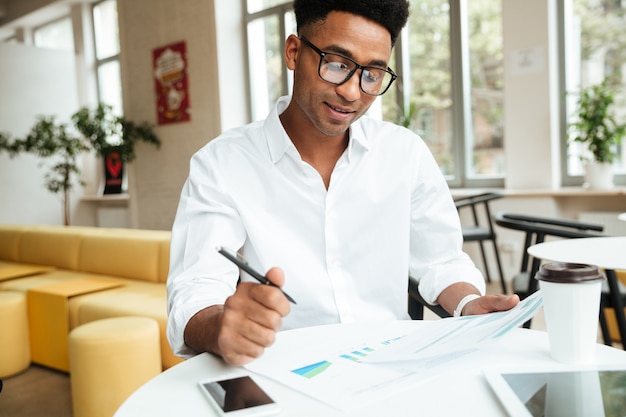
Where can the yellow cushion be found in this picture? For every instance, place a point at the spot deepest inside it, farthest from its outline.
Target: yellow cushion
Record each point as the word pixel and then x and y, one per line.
pixel 133 299
pixel 14 340
pixel 109 360
pixel 9 242
pixel 54 246
pixel 128 254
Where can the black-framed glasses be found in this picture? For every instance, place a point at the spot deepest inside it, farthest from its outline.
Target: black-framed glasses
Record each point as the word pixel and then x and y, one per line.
pixel 337 69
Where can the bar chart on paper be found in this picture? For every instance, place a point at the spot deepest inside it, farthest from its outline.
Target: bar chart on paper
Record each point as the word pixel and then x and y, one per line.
pixel 336 377
pixel 310 371
pixel 314 369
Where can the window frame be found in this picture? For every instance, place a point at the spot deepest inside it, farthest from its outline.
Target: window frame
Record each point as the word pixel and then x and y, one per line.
pixel 461 96
pixel 100 62
pixel 278 11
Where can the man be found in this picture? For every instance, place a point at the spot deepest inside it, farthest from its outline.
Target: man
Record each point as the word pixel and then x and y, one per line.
pixel 347 206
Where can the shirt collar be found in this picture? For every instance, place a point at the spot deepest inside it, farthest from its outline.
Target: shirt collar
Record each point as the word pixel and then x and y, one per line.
pixel 359 141
pixel 278 142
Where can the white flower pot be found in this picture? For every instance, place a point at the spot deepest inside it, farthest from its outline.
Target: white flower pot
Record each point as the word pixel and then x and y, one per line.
pixel 599 175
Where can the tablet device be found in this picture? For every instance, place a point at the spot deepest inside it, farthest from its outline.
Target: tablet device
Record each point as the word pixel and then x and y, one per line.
pixel 580 393
pixel 238 397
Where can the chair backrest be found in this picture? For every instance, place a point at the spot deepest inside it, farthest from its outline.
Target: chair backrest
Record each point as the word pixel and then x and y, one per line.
pixel 537 229
pixel 473 201
pixel 416 303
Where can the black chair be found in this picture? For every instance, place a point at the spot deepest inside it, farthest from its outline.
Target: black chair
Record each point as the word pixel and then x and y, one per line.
pixel 613 294
pixel 416 303
pixel 480 233
pixel 536 230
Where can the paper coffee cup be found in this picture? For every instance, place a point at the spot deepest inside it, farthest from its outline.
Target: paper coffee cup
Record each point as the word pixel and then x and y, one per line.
pixel 571 303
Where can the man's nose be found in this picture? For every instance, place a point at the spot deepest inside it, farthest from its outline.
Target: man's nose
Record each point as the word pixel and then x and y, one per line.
pixel 351 89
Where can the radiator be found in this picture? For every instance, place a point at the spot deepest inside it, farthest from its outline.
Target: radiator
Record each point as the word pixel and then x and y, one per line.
pixel 612 225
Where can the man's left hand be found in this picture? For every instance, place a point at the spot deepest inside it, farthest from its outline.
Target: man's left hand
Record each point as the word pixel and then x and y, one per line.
pixel 490 303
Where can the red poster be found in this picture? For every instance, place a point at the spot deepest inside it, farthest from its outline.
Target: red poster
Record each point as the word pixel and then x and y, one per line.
pixel 171 83
pixel 113 173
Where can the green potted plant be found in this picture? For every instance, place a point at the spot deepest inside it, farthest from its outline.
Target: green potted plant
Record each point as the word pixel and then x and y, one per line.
pixel 57 143
pixel 113 138
pixel 596 127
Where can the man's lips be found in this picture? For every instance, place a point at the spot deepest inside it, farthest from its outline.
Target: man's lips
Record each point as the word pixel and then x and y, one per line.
pixel 340 109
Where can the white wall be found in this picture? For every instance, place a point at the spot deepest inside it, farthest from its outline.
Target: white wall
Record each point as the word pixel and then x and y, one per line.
pixel 34 82
pixel 531 113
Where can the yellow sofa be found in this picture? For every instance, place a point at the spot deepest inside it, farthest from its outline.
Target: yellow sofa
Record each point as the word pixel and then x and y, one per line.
pixel 135 263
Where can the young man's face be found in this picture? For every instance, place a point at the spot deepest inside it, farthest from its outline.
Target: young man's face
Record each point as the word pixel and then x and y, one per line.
pixel 332 108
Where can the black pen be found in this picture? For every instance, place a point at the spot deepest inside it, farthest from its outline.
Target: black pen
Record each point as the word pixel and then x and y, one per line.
pixel 243 264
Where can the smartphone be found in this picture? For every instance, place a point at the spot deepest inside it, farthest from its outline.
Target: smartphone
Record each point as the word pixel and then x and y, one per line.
pixel 239 397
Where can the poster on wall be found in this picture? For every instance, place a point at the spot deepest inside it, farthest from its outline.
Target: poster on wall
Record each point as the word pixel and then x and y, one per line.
pixel 171 83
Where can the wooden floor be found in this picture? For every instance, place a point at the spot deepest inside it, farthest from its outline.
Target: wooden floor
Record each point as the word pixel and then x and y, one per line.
pixel 42 392
pixel 38 392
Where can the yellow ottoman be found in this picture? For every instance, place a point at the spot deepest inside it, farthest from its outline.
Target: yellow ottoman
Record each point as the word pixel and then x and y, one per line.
pixel 109 360
pixel 14 341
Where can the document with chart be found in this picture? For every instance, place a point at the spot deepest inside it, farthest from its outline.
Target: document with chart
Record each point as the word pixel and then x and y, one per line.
pixel 347 373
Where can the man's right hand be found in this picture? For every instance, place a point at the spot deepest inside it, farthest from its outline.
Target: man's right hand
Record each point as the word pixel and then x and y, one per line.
pixel 245 325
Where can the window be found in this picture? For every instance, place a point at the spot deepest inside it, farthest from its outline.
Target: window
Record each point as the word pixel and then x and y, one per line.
pixel 453 66
pixel 267 31
pixel 485 145
pixel 55 35
pixel 450 63
pixel 107 48
pixel 260 5
pixel 423 100
pixel 593 47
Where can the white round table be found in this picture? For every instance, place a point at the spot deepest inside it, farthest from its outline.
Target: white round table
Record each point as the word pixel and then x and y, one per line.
pixel 604 252
pixel 461 390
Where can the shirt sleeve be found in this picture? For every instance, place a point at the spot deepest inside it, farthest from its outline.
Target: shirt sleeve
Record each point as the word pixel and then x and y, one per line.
pixel 437 259
pixel 199 277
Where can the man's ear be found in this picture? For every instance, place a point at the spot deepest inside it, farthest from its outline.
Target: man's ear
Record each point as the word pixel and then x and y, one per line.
pixel 292 49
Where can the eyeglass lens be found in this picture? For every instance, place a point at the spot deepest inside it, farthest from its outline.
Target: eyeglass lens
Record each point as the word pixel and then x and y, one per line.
pixel 337 69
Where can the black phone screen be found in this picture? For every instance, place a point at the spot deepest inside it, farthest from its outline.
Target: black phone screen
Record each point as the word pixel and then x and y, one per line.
pixel 237 393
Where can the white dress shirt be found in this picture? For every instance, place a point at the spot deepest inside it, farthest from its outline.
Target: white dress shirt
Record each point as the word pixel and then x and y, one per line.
pixel 347 251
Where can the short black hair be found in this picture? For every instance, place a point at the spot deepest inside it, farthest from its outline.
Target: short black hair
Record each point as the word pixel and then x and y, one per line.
pixel 391 14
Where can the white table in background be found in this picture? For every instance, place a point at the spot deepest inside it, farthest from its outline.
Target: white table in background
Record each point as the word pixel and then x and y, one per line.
pixel 608 253
pixel 461 391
